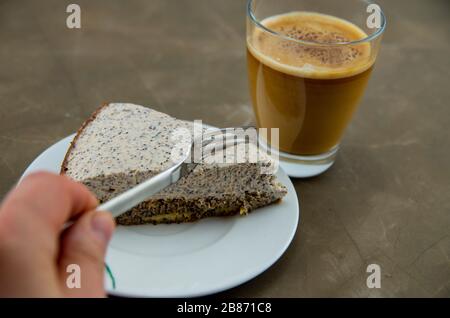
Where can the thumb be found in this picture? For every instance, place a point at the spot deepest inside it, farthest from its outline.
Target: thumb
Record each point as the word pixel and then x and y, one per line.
pixel 84 245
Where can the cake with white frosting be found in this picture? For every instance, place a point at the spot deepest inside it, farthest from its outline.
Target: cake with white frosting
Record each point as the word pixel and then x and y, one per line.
pixel 122 145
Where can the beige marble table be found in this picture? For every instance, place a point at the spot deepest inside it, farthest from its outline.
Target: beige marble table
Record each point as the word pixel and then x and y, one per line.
pixel 387 199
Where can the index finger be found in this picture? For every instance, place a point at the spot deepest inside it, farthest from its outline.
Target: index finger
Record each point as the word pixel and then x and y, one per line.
pixel 48 198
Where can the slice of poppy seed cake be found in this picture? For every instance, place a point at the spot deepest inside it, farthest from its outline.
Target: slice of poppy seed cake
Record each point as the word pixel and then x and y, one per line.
pixel 122 145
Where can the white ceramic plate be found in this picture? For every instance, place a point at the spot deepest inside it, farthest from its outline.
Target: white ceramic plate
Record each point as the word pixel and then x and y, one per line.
pixel 196 259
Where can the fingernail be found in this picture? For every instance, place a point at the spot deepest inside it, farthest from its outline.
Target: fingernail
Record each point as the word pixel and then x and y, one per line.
pixel 102 226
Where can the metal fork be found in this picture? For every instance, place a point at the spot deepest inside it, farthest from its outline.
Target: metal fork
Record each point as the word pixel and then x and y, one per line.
pixel 142 192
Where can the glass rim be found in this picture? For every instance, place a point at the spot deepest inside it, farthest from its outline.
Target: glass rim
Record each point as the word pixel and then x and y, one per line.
pixel 369 38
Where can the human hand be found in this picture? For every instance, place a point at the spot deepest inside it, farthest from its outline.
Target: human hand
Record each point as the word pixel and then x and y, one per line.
pixel 35 252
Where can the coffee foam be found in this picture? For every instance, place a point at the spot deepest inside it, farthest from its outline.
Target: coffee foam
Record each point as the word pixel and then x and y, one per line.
pixel 318 58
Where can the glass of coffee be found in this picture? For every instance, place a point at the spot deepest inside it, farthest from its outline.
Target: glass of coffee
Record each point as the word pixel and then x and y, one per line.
pixel 309 62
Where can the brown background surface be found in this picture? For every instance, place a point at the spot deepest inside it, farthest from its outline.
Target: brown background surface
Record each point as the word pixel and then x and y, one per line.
pixel 387 199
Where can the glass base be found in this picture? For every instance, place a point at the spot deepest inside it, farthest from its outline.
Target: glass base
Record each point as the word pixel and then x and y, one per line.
pixel 305 166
